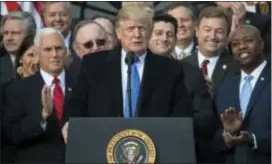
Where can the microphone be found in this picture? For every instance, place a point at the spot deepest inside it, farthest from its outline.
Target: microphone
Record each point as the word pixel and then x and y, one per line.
pixel 130 59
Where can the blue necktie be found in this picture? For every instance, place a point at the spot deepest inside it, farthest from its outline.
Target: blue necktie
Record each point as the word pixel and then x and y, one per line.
pixel 245 94
pixel 135 85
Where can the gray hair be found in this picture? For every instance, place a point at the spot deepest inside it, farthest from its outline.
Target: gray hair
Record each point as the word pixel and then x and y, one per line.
pixel 46 3
pixel 27 19
pixel 46 32
pixel 83 23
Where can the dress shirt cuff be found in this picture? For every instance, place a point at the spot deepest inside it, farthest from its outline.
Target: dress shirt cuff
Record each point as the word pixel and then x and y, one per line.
pixel 43 125
pixel 255 146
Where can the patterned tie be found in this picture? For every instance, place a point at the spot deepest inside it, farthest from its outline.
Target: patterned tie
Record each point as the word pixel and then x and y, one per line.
pixel 204 68
pixel 245 94
pixel 181 55
pixel 135 85
pixel 58 98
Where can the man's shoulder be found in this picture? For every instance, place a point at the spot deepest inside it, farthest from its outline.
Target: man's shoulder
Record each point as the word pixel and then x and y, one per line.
pixel 166 62
pixel 96 55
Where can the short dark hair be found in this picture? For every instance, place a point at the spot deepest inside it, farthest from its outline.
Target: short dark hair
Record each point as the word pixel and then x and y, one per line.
pixel 167 19
pixel 26 44
pixel 214 12
pixel 185 5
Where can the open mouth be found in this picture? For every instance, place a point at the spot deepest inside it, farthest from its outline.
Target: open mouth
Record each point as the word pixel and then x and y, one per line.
pixel 244 55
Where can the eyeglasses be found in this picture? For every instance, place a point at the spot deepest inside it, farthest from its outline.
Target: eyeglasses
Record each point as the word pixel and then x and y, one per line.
pixel 99 42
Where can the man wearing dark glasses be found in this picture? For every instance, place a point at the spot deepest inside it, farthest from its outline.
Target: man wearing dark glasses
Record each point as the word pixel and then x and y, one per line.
pixel 89 37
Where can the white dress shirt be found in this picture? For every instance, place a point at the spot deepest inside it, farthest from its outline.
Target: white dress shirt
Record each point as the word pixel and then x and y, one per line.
pixel 124 68
pixel 255 74
pixel 211 65
pixel 48 80
pixel 67 40
pixel 13 58
pixel 188 50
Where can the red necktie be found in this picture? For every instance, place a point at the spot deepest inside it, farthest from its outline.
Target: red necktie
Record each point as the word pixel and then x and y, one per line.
pixel 204 67
pixel 58 98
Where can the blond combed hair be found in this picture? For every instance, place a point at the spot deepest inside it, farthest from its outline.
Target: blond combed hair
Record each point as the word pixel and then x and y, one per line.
pixel 134 12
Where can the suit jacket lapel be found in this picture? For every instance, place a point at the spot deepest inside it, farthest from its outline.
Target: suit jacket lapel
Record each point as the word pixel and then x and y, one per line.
pixel 263 80
pixel 220 69
pixel 69 81
pixel 235 93
pixel 193 59
pixel 8 67
pixel 38 84
pixel 114 79
pixel 150 74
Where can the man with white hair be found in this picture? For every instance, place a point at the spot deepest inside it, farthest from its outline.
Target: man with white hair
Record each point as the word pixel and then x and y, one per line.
pixel 15 27
pixel 34 104
pixel 58 15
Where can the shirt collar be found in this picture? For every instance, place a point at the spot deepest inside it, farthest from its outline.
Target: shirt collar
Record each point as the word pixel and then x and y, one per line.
pixel 48 79
pixel 141 57
pixel 67 39
pixel 256 73
pixel 201 58
pixel 187 50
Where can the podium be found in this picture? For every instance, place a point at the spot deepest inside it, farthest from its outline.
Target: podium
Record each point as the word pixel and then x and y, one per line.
pixel 139 140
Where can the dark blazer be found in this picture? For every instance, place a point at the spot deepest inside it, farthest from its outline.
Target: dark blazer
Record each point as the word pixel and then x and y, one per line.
pixel 225 67
pixel 22 122
pixel 74 67
pixel 263 23
pixel 7 70
pixel 98 92
pixel 204 114
pixel 257 118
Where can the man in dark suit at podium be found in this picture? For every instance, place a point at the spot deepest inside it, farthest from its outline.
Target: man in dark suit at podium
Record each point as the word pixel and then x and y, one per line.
pixel 158 88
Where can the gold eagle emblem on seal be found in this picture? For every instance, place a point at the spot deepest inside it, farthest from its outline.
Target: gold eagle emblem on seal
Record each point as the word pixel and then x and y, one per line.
pixel 131 146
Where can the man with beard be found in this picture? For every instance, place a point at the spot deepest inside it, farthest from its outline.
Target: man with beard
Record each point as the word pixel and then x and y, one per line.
pixel 244 102
pixel 162 42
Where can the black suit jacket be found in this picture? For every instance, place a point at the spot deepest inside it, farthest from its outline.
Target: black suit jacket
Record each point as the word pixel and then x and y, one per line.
pixel 98 92
pixel 225 68
pixel 204 115
pixel 263 23
pixel 22 122
pixel 7 70
pixel 74 67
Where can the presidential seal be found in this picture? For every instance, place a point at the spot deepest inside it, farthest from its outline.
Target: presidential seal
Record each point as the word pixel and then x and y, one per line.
pixel 131 146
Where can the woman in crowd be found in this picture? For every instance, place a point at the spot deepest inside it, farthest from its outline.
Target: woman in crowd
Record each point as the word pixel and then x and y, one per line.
pixel 27 61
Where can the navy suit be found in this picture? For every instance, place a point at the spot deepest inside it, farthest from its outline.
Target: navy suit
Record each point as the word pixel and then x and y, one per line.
pixel 257 119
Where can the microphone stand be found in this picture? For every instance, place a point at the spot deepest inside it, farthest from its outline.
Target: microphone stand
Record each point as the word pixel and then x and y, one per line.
pixel 129 61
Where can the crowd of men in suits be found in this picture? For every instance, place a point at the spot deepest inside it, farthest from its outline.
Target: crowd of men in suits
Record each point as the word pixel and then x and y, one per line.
pixel 212 65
